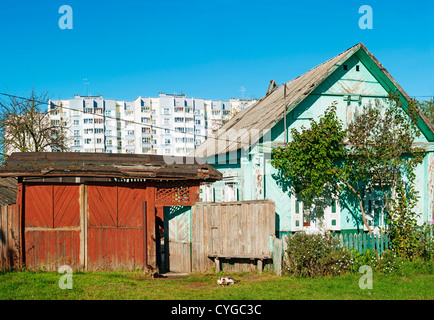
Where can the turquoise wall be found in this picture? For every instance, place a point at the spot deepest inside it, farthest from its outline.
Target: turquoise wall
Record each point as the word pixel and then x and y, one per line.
pixel 358 80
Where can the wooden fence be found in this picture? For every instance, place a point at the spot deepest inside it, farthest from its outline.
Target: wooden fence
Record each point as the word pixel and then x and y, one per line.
pixel 10 237
pixel 239 234
pixel 364 241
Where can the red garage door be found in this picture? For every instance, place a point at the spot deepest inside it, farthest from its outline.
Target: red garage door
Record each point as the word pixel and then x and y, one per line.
pixel 52 226
pixel 115 227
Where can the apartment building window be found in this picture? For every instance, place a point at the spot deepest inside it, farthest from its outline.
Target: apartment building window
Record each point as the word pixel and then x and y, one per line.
pixel 178 119
pixel 99 130
pixel 197 131
pixel 76 143
pixel 145 120
pixel 88 131
pixel 166 131
pixel 109 143
pixel 166 111
pixel 178 109
pixel 108 132
pixel 130 142
pixel 166 121
pixel 108 112
pixel 167 141
pixel 197 121
pixel 130 132
pixel 146 109
pixel 54 122
pixel 167 151
pixel 99 120
pixel 146 140
pixel 146 130
pixel 76 113
pixel 88 121
pixel 87 141
pixel 76 132
pixel 88 110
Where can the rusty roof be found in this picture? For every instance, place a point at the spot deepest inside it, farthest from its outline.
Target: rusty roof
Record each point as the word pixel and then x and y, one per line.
pixel 265 113
pixel 129 166
pixel 8 191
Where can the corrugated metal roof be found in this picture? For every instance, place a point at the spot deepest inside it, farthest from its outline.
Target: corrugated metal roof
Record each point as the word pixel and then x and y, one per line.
pixel 265 113
pixel 133 166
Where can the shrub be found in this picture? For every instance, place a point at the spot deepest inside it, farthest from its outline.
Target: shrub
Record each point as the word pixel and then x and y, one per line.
pixel 312 255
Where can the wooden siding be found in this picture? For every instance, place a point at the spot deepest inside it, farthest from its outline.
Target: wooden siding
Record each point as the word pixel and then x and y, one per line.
pixel 115 227
pixel 52 226
pixel 243 228
pixel 10 237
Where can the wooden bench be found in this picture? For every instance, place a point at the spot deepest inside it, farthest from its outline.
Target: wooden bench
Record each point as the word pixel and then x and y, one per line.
pixel 260 259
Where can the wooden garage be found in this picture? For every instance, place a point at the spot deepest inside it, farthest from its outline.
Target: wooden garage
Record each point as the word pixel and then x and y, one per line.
pixel 96 211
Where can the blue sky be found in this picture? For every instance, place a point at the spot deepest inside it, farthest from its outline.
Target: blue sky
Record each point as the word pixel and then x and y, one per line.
pixel 207 49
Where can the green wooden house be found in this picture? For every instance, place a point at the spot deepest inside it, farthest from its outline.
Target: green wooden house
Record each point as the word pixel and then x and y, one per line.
pixel 241 149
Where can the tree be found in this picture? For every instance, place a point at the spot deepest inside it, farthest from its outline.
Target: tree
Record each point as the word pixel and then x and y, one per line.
pixel 427 108
pixel 376 151
pixel 380 146
pixel 25 127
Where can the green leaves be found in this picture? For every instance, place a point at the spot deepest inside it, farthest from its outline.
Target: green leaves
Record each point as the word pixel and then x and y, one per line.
pixel 376 152
pixel 309 159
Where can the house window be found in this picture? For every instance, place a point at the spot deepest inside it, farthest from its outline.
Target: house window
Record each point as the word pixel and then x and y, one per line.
pixel 297 205
pixel 229 192
pixel 334 206
pixel 206 193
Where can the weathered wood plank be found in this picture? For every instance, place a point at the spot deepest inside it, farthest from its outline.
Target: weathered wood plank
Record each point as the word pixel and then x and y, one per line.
pixel 236 229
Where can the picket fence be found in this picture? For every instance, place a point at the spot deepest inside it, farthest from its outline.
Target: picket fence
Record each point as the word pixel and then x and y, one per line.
pixel 364 241
pixel 379 242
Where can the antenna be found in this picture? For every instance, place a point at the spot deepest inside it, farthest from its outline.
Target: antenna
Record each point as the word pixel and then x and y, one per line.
pixel 86 84
pixel 242 89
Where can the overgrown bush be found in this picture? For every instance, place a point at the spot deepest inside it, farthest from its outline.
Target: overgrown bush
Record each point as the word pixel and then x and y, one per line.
pixel 312 255
pixel 387 262
pixel 426 241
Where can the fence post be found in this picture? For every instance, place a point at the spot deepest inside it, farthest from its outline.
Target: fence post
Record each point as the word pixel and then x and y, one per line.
pixel 277 256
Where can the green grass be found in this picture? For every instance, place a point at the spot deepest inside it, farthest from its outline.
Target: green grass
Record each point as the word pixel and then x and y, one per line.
pixel 135 285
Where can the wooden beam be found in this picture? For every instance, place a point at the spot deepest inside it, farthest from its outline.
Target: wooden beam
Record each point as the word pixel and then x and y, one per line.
pixel 150 227
pixel 83 231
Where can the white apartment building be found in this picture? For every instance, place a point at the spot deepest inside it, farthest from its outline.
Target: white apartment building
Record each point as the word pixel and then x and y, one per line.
pixel 169 124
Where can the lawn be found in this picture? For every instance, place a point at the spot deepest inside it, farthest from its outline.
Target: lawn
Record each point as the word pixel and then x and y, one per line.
pixel 251 286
